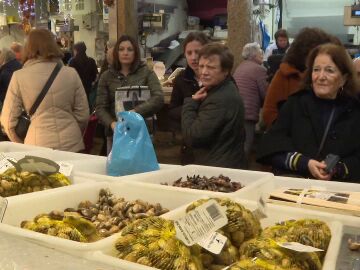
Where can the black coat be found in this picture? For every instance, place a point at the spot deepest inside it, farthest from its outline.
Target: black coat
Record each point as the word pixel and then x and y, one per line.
pixel 301 125
pixel 185 86
pixel 86 68
pixel 6 72
pixel 214 128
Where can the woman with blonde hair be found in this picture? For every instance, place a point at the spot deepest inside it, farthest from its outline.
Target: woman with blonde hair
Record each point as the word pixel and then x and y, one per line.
pixel 61 117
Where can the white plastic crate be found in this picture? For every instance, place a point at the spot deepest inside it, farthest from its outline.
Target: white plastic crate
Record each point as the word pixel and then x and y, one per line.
pixel 266 187
pixel 98 166
pixel 19 147
pixel 28 206
pixel 52 155
pixel 275 214
pixel 249 179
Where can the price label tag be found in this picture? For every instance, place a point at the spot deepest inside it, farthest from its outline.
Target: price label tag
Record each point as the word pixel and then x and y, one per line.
pixel 65 168
pixel 5 163
pixel 214 242
pixel 200 222
pixel 298 247
pixel 3 206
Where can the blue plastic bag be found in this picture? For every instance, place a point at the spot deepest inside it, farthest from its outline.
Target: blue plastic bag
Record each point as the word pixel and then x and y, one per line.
pixel 132 151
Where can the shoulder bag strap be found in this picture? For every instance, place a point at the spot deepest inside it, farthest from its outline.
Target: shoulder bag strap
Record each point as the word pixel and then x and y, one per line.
pixel 45 89
pixel 326 131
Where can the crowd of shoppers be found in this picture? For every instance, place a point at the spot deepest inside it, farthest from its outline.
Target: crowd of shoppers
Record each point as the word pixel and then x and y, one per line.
pixel 309 108
pixel 61 117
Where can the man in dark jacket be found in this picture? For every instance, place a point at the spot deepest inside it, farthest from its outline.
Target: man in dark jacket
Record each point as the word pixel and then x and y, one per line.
pixel 213 118
pixel 84 65
pixel 8 64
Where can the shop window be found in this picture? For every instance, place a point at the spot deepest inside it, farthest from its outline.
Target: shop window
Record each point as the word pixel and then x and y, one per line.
pixel 67 5
pixel 79 5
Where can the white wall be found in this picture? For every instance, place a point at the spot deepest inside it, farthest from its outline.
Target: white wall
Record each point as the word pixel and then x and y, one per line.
pixel 327 15
pixel 88 36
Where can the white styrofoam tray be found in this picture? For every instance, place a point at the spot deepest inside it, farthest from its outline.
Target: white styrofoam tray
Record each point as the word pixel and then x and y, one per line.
pixel 19 147
pixel 28 206
pixel 275 214
pixel 98 166
pixel 249 179
pixel 266 187
pixel 52 155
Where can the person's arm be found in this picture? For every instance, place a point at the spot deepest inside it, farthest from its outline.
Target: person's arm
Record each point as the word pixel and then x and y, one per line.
pixel 156 100
pixel 176 101
pixel 274 95
pixel 80 106
pixel 278 139
pixel 103 102
pixel 348 168
pixel 93 70
pixel 261 82
pixel 200 127
pixel 268 51
pixel 11 110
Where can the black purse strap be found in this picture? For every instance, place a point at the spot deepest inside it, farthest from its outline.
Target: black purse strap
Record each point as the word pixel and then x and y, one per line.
pixel 326 131
pixel 45 89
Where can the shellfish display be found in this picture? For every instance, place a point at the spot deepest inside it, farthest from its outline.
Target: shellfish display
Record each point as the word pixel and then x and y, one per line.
pixel 107 216
pixel 219 184
pixel 13 182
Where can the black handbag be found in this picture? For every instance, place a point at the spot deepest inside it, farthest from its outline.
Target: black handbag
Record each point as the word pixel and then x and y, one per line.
pixel 24 121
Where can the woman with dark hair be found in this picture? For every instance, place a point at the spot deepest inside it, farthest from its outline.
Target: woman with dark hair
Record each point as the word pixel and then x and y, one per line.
pixel 187 82
pixel 280 46
pixel 288 78
pixel 61 117
pixel 319 120
pixel 126 70
pixel 185 85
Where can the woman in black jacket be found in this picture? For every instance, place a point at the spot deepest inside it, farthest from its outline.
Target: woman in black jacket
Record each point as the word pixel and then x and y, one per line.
pixel 187 82
pixel 320 120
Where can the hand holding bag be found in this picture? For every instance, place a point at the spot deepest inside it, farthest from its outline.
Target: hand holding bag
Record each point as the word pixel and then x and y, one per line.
pixel 132 151
pixel 24 121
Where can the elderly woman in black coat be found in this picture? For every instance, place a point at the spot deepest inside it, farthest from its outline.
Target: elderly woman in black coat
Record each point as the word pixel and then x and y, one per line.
pixel 321 119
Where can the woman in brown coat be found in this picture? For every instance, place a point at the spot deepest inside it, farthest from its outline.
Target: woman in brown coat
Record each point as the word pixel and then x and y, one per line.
pixel 61 117
pixel 288 78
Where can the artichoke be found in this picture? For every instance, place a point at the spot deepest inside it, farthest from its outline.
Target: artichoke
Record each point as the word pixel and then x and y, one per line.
pixel 152 242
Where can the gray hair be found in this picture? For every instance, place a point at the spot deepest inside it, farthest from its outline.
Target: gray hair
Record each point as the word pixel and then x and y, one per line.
pixel 6 55
pixel 250 50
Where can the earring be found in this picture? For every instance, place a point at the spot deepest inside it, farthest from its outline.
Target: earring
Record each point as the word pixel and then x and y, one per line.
pixel 341 89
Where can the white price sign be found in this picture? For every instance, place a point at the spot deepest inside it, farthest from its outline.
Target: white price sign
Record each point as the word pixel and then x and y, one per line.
pixel 213 242
pixel 200 222
pixel 5 163
pixel 298 247
pixel 65 168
